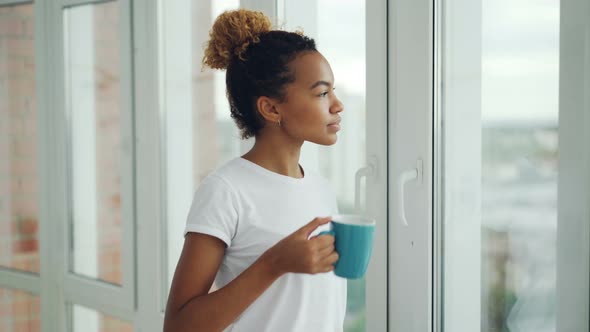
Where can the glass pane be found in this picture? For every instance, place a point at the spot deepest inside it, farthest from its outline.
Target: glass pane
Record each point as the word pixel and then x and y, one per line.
pixel 93 101
pixel 343 45
pixel 19 211
pixel 89 320
pixel 19 311
pixel 500 159
pixel 200 135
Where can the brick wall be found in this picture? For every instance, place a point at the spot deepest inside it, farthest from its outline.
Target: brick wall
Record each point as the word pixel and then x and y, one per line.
pixel 19 182
pixel 19 311
pixel 108 150
pixel 18 159
pixel 19 212
pixel 108 140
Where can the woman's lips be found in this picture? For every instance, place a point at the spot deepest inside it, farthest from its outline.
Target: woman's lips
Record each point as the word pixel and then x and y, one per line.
pixel 335 125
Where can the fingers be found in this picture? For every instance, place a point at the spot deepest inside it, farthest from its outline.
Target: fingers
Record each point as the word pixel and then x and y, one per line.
pixel 327 264
pixel 328 268
pixel 323 241
pixel 325 251
pixel 312 225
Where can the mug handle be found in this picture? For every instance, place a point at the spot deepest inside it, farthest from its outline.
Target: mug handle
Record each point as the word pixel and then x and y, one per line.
pixel 327 232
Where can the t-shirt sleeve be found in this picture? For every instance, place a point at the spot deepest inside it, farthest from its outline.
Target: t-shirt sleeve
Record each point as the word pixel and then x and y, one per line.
pixel 213 210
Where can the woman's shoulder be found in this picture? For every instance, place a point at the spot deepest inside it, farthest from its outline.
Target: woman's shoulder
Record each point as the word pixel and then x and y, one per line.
pixel 223 176
pixel 223 170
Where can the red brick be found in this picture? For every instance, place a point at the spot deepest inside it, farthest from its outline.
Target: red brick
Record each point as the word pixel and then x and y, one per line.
pixel 116 201
pixel 33 108
pixel 35 267
pixel 30 127
pixel 27 185
pixel 25 205
pixel 13 68
pixel 18 263
pixel 30 62
pixel 23 69
pixel 10 26
pixel 20 307
pixel 22 167
pixel 22 326
pixel 29 245
pixel 112 240
pixel 20 47
pixel 24 11
pixel 28 226
pixel 16 190
pixel 34 325
pixel 28 28
pixel 5 308
pixel 23 150
pixel 21 87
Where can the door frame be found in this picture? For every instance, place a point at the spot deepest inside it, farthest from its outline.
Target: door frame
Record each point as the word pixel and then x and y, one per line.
pixel 411 104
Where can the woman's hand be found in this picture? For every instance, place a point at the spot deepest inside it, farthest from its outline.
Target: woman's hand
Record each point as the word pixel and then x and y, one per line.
pixel 298 254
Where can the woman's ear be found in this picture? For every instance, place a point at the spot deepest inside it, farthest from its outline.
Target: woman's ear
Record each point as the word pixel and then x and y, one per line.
pixel 266 108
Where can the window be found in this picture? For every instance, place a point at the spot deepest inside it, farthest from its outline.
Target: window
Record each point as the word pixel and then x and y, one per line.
pixel 500 156
pixel 92 79
pixel 19 208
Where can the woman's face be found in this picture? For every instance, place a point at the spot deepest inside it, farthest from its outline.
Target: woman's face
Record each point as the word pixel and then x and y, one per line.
pixel 310 111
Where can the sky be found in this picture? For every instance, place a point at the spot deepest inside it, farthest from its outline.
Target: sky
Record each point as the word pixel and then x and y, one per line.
pixel 520 60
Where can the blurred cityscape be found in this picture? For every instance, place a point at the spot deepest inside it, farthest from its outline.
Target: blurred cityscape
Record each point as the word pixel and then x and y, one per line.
pixel 519 224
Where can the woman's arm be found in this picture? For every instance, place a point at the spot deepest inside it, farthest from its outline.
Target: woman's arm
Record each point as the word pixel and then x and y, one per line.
pixel 189 306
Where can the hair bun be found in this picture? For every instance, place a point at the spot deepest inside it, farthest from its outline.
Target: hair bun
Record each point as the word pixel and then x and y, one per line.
pixel 231 34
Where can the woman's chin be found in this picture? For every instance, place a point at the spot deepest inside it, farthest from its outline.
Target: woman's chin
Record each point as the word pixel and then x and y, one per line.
pixel 326 141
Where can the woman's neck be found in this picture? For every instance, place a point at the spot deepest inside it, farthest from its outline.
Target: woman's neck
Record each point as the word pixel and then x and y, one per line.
pixel 276 155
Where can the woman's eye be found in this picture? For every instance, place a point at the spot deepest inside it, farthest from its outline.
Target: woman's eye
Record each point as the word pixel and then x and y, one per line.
pixel 323 94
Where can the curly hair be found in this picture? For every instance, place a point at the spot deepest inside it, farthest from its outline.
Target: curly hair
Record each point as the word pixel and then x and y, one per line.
pixel 256 58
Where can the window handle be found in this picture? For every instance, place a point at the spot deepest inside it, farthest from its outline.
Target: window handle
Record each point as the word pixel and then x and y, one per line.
pixel 369 170
pixel 404 177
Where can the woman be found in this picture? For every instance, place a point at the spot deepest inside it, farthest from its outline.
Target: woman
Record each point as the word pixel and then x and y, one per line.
pixel 252 222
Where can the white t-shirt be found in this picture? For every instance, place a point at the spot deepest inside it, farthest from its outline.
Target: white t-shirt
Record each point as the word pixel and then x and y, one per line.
pixel 251 208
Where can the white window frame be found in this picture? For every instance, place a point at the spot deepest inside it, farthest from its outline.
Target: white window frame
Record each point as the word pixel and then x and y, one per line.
pixel 410 94
pixel 151 246
pixel 573 218
pixel 457 165
pixel 378 157
pixel 60 287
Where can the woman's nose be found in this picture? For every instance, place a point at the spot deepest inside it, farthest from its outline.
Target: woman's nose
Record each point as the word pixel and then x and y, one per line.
pixel 337 107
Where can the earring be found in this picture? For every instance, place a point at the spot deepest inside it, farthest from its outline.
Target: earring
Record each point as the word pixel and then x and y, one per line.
pixel 279 122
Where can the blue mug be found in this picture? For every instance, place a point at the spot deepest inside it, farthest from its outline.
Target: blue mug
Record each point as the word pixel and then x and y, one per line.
pixel 353 236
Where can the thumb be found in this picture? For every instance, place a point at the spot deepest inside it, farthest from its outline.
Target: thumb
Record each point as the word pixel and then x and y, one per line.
pixel 312 225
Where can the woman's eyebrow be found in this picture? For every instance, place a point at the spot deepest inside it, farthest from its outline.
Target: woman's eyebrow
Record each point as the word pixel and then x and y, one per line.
pixel 319 83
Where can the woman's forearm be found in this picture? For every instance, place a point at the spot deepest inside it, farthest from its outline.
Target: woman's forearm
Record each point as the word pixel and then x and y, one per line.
pixel 217 310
